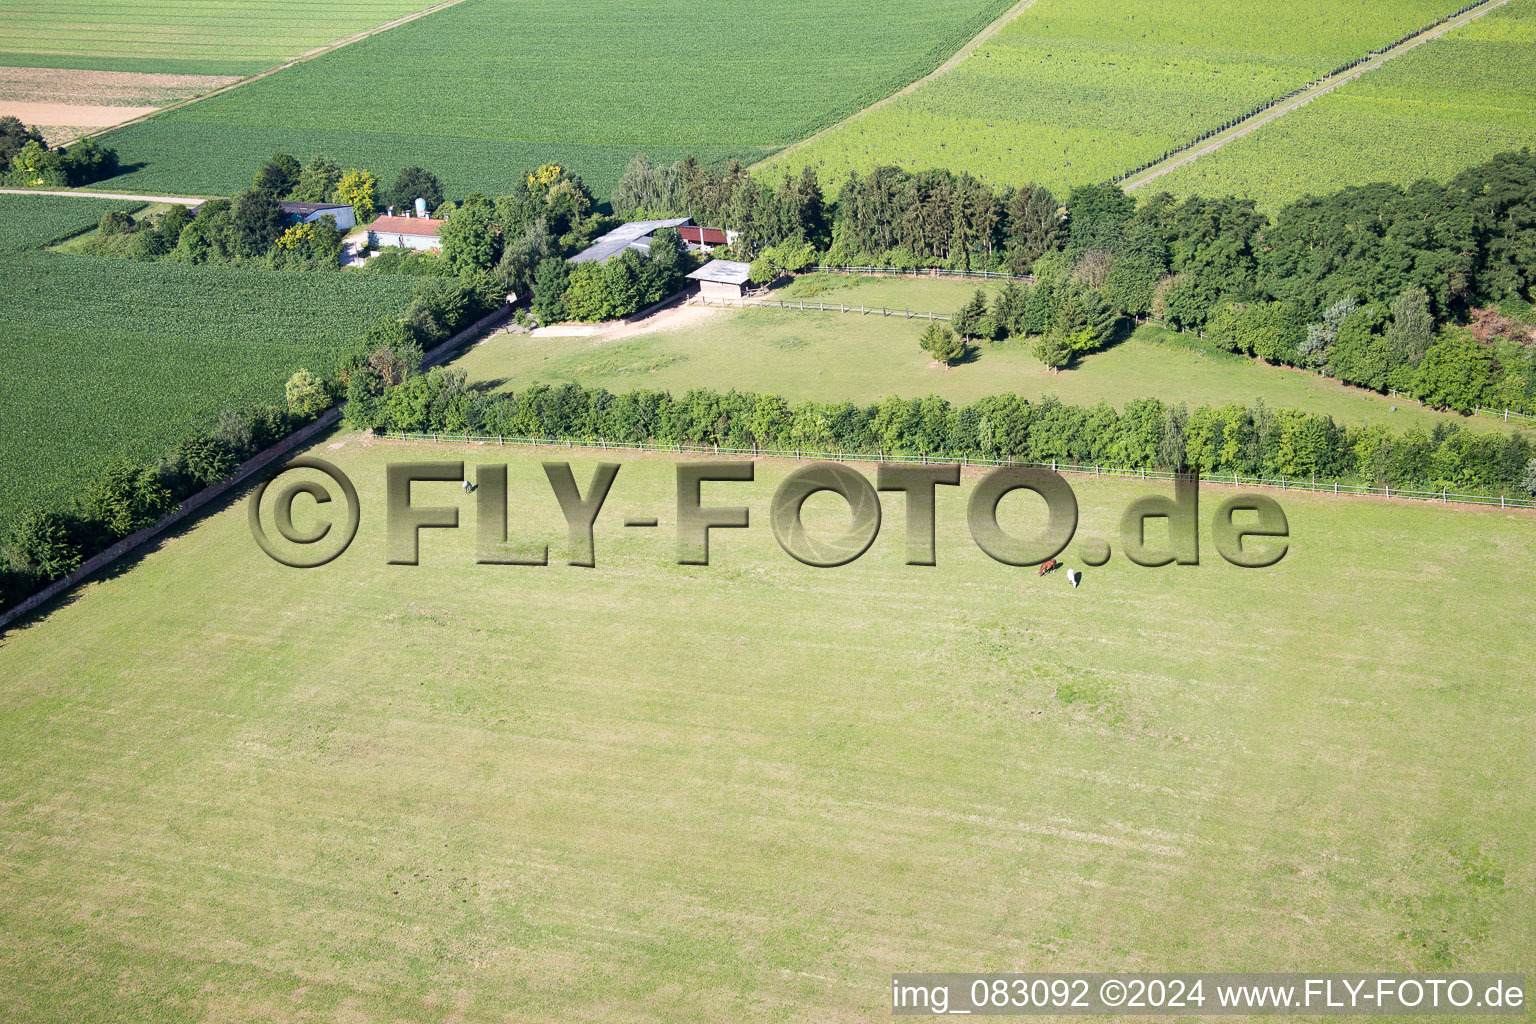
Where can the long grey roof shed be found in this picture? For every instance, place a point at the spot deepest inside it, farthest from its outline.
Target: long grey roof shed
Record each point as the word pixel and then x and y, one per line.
pixel 634 235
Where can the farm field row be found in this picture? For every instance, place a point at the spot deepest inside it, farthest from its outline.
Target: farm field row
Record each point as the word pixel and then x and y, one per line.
pixel 235 791
pixel 485 90
pixel 203 37
pixel 1427 114
pixel 1076 91
pixel 835 356
pixel 110 359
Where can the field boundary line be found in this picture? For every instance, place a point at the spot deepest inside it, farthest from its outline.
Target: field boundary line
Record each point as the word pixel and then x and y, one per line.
pixel 1253 123
pixel 966 49
pixel 318 51
pixel 1279 483
pixel 126 196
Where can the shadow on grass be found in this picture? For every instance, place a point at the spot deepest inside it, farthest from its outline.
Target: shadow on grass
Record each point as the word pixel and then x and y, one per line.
pixel 131 559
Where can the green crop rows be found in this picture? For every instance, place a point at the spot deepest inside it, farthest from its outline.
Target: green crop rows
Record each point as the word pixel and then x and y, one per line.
pixel 1077 91
pixel 32 222
pixel 482 91
pixel 108 358
pixel 209 37
pixel 1426 114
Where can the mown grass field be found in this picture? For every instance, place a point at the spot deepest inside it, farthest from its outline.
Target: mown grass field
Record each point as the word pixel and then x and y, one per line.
pixel 489 89
pixel 833 356
pixel 109 359
pixel 205 37
pixel 751 791
pixel 1070 93
pixel 1427 114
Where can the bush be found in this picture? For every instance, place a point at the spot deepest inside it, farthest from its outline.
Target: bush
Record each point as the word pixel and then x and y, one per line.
pixel 307 394
pixel 40 545
pixel 116 222
pixel 941 343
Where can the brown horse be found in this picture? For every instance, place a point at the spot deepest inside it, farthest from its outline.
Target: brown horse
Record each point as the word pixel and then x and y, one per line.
pixel 1048 565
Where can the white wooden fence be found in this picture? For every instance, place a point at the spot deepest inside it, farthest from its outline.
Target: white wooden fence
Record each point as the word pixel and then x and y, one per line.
pixel 981 275
pixel 1282 483
pixel 803 306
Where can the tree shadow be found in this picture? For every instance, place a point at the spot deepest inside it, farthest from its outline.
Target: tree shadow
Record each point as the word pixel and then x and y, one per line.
pixel 970 355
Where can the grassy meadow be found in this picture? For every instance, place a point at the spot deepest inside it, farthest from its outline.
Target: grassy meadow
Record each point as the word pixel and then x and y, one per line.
pixel 832 356
pixel 110 359
pixel 213 37
pixel 1430 113
pixel 231 791
pixel 1072 92
pixel 486 90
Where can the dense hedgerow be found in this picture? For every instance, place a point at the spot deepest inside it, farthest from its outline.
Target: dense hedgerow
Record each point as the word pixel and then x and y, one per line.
pixel 1145 434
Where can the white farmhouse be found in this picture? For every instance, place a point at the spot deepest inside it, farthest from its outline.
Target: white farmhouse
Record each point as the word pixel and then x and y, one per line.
pixel 405 233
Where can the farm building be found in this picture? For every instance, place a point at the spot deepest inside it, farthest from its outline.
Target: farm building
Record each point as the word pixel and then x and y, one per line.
pixel 405 232
pixel 722 279
pixel 305 213
pixel 634 235
pixel 701 239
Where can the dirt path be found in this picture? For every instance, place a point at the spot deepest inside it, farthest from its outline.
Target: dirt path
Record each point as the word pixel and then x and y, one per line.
pixel 180 200
pixel 676 317
pixel 949 65
pixel 1259 120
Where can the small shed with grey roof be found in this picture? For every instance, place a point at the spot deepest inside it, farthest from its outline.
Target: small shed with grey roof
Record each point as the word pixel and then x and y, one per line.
pixel 722 279
pixel 634 235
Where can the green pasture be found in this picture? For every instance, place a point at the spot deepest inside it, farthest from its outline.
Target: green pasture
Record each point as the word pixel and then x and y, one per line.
pixel 486 90
pixel 231 791
pixel 834 356
pixel 204 37
pixel 1430 113
pixel 1074 92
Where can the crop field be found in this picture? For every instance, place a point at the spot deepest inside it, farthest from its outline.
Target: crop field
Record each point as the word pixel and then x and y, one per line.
pixel 486 90
pixel 1428 114
pixel 833 356
pixel 750 791
pixel 204 37
pixel 34 222
pixel 1077 91
pixel 107 358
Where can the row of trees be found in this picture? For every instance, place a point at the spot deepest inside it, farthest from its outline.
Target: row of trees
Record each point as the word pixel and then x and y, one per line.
pixel 323 180
pixel 44 543
pixel 41 545
pixel 250 228
pixel 27 161
pixel 591 291
pixel 1146 434
pixel 1469 241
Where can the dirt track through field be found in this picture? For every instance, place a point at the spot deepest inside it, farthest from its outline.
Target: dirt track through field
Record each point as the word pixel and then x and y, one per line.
pixel 1265 117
